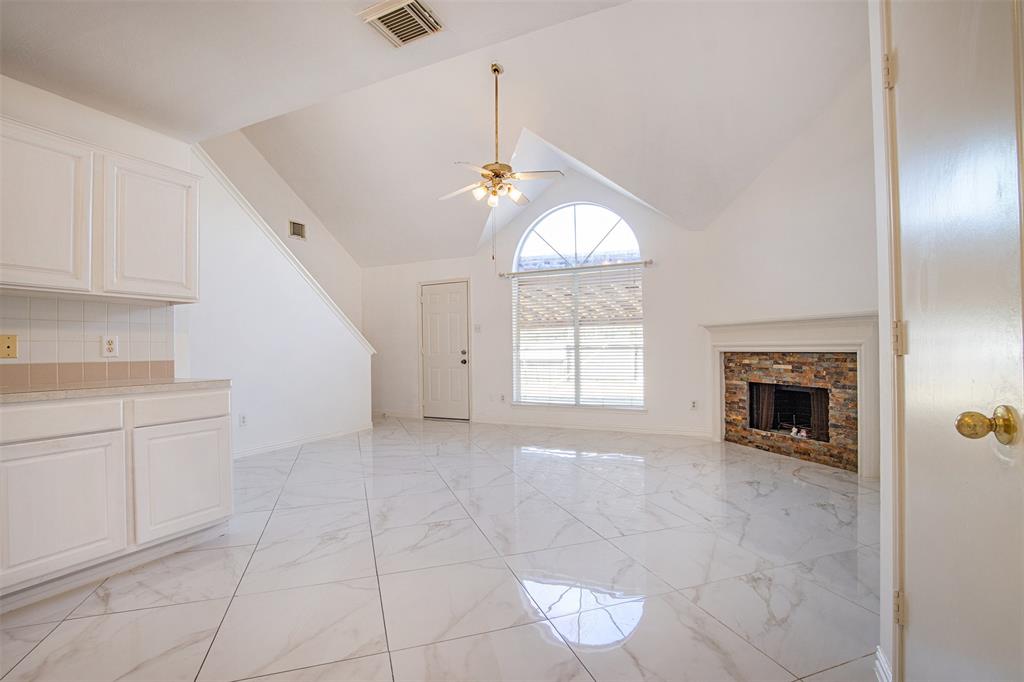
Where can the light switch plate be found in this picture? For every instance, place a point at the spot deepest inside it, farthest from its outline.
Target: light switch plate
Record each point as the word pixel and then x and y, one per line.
pixel 8 346
pixel 108 346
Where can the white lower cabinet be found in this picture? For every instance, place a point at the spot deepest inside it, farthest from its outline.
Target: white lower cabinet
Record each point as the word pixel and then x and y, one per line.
pixel 182 476
pixel 63 503
pixel 97 480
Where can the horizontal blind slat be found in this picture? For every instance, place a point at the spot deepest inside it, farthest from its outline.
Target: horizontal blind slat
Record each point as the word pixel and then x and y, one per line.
pixel 593 319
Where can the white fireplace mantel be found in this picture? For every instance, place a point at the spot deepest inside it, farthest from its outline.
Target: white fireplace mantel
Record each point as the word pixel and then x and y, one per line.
pixel 849 333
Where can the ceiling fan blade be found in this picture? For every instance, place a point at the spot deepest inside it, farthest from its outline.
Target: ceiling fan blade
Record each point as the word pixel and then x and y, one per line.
pixel 478 169
pixel 536 175
pixel 460 191
pixel 521 199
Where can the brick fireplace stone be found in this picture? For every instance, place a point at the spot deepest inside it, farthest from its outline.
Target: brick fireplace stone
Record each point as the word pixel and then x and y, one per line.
pixel 836 372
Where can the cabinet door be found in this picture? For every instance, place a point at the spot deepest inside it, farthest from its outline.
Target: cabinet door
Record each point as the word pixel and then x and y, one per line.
pixel 182 476
pixel 45 209
pixel 62 502
pixel 151 230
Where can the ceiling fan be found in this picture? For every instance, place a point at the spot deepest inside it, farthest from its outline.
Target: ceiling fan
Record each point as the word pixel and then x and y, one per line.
pixel 497 177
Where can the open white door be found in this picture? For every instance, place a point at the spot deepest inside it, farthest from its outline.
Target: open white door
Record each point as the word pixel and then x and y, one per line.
pixel 957 107
pixel 445 350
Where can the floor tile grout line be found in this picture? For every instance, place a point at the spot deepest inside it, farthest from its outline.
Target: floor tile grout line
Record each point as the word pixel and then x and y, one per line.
pixel 56 624
pixel 241 577
pixel 515 577
pixel 471 517
pixel 741 637
pixel 315 665
pixel 679 591
pixel 148 608
pixel 376 570
pixel 430 448
pixel 838 665
pixel 34 646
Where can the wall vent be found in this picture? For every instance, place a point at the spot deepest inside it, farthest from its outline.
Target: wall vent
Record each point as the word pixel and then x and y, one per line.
pixel 296 230
pixel 401 21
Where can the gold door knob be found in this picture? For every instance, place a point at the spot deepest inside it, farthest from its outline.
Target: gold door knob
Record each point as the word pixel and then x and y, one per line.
pixel 1003 423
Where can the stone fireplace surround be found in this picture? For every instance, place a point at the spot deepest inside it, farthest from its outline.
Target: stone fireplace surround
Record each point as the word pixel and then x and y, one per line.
pixel 850 333
pixel 833 373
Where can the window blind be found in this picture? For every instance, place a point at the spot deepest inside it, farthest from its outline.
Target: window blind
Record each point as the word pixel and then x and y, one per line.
pixel 578 337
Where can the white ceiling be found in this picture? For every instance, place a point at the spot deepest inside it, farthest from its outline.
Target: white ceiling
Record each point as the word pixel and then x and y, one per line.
pixel 199 69
pixel 682 104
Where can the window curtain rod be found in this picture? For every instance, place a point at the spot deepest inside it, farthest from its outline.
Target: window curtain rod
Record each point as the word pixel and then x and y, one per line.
pixel 547 271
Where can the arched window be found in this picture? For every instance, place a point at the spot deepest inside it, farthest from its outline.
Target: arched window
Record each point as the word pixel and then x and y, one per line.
pixel 575 235
pixel 577 307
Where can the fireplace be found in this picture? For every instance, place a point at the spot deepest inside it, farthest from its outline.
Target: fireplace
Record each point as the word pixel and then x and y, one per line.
pixel 800 404
pixel 800 411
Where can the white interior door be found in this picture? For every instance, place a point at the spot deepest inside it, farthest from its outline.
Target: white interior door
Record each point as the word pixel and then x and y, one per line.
pixel 956 115
pixel 445 350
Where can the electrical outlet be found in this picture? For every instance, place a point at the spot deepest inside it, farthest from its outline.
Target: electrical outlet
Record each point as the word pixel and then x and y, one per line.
pixel 9 346
pixel 693 404
pixel 502 397
pixel 109 346
pixel 242 421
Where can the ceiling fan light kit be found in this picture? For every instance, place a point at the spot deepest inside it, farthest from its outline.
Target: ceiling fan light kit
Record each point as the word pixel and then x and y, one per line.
pixel 497 177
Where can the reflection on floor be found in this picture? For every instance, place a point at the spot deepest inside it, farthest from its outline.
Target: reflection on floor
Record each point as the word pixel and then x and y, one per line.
pixel 443 551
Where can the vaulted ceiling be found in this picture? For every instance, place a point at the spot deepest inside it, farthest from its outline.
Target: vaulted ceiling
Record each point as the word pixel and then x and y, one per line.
pixel 196 69
pixel 682 104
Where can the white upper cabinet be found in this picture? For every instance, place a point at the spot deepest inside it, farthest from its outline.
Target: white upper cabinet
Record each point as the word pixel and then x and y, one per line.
pixel 45 210
pixel 77 218
pixel 150 230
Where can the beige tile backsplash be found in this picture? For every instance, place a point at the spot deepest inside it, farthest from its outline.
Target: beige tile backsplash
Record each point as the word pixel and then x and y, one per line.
pixel 63 333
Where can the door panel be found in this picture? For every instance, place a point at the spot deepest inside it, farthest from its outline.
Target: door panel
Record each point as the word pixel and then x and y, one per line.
pixel 956 131
pixel 62 502
pixel 151 225
pixel 182 476
pixel 445 352
pixel 45 209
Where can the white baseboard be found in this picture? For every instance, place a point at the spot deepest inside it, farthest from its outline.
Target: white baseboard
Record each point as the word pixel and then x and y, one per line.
pixel 396 414
pixel 654 430
pixel 259 450
pixel 883 671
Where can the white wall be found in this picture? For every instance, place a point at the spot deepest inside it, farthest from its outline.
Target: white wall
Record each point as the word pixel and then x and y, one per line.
pixel 801 239
pixel 325 258
pixel 297 370
pixel 809 215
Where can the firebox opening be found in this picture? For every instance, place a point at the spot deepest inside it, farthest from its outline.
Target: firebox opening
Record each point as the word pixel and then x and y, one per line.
pixel 800 411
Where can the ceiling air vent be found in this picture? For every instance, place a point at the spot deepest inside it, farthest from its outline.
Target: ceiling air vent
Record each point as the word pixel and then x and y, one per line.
pixel 401 21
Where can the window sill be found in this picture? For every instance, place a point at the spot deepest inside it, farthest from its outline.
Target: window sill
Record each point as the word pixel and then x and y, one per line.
pixel 601 408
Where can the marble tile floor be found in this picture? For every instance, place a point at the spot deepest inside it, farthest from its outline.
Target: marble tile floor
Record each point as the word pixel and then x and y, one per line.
pixel 424 550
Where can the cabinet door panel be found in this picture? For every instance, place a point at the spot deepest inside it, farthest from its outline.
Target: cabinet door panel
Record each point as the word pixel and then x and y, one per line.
pixel 45 209
pixel 182 476
pixel 62 501
pixel 150 230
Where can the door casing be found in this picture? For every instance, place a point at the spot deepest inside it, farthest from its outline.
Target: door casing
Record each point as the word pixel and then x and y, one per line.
pixel 419 340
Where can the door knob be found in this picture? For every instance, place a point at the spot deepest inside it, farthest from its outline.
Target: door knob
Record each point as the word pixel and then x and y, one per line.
pixel 1003 423
pixel 463 361
pixel 463 352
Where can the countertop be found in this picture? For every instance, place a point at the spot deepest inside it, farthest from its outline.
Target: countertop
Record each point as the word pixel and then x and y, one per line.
pixel 91 389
